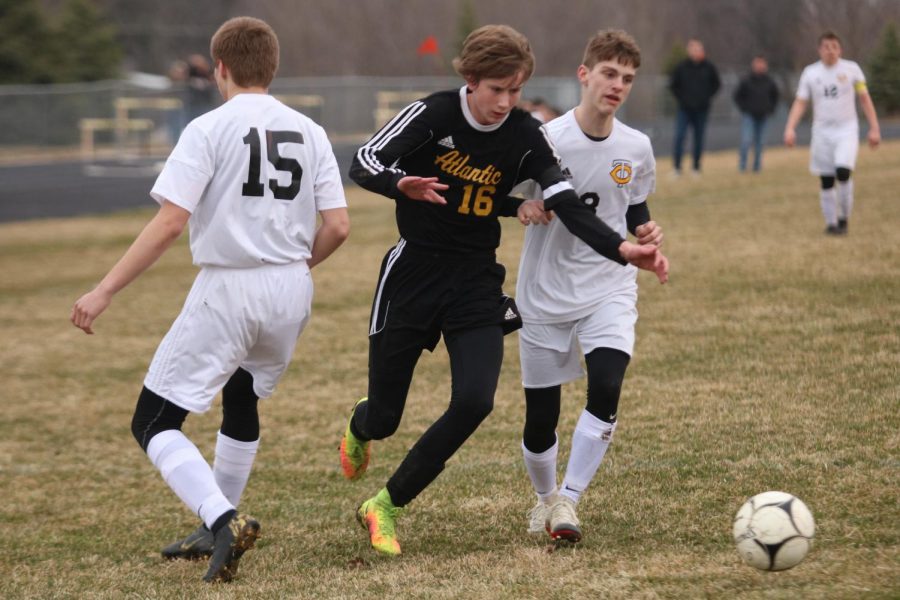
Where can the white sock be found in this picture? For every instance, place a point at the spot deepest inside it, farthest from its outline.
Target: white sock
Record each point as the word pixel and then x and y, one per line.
pixel 845 198
pixel 188 474
pixel 828 200
pixel 589 444
pixel 541 469
pixel 232 465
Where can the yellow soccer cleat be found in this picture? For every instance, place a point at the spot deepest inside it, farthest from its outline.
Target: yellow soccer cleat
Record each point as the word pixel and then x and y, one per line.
pixel 355 452
pixel 379 515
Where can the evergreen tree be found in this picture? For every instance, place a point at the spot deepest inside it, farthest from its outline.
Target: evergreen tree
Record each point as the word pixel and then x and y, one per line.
pixel 884 72
pixel 85 44
pixel 677 54
pixel 465 23
pixel 23 42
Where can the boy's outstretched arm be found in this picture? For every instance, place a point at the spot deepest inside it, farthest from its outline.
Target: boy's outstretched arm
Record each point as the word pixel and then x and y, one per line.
pixel 150 244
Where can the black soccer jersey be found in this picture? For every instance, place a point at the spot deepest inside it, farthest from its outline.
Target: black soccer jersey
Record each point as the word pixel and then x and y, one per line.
pixel 435 137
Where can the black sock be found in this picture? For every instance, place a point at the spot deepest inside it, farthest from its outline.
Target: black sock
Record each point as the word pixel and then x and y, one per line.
pixel 356 433
pixel 222 521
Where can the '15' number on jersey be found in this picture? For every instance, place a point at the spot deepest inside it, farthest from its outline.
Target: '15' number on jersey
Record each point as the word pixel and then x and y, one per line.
pixel 254 186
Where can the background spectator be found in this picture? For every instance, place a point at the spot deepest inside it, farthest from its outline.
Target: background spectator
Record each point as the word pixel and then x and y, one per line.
pixel 756 96
pixel 694 82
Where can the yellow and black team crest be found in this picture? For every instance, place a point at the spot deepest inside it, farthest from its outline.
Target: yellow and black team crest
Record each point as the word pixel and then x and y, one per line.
pixel 621 171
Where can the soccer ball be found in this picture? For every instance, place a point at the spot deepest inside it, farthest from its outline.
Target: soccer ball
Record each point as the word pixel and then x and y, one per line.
pixel 773 531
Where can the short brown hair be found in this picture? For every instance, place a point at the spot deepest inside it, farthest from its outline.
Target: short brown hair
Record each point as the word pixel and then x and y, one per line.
pixel 829 35
pixel 494 52
pixel 612 44
pixel 249 48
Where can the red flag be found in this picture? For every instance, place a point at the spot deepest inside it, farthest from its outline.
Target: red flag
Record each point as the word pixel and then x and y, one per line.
pixel 428 46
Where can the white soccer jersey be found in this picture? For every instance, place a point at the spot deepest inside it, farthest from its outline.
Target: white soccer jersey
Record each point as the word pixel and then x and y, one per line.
pixel 832 91
pixel 253 173
pixel 560 277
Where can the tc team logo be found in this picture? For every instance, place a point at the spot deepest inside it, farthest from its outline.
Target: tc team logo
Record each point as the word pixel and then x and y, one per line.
pixel 621 171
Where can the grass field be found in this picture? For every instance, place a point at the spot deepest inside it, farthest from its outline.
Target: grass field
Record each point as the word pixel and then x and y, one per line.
pixel 770 361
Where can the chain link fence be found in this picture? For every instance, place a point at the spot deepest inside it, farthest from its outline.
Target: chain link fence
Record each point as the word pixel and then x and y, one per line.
pixel 110 114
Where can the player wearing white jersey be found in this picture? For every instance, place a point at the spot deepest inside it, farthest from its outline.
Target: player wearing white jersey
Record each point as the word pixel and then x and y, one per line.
pixel 572 300
pixel 250 178
pixel 832 85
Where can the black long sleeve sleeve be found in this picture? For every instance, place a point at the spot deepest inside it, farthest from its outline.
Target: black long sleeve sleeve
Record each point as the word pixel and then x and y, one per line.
pixel 636 214
pixel 580 219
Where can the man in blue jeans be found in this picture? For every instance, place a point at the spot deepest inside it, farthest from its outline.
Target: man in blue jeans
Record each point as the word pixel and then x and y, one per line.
pixel 756 96
pixel 694 82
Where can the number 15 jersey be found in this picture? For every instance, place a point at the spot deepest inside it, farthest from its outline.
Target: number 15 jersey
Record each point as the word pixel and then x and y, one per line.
pixel 253 173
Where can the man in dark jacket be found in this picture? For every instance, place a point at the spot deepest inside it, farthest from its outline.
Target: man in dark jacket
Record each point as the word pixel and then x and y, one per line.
pixel 756 96
pixel 694 82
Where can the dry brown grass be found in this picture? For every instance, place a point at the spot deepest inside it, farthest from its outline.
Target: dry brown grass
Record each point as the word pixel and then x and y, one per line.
pixel 770 361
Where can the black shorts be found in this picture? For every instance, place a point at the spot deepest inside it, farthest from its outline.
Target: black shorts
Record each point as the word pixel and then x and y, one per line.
pixel 421 295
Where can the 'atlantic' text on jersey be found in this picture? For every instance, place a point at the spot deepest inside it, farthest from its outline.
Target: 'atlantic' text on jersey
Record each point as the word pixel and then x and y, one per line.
pixel 438 137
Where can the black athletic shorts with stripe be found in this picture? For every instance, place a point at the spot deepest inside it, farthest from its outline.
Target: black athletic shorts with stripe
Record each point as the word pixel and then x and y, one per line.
pixel 422 294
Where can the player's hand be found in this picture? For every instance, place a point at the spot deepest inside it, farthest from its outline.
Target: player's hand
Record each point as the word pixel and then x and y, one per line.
pixel 790 138
pixel 531 212
pixel 649 234
pixel 648 258
pixel 422 188
pixel 88 308
pixel 874 138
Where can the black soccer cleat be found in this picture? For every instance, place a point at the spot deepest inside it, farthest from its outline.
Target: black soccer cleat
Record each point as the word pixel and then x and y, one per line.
pixel 842 226
pixel 230 542
pixel 197 545
pixel 833 230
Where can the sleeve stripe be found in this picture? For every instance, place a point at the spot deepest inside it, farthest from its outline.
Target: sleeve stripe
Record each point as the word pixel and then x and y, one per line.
pixel 557 188
pixel 366 153
pixel 550 143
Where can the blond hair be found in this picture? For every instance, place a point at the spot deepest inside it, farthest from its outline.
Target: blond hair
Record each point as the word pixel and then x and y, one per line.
pixel 249 48
pixel 494 52
pixel 612 44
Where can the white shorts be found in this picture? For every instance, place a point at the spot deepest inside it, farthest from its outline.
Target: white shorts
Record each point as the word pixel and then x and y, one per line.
pixel 832 148
pixel 248 318
pixel 551 354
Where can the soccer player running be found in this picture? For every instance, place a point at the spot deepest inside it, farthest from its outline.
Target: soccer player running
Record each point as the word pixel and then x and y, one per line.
pixel 449 162
pixel 574 301
pixel 249 178
pixel 832 84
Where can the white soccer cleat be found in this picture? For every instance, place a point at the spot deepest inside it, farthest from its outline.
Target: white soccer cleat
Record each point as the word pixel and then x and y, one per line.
pixel 537 517
pixel 563 522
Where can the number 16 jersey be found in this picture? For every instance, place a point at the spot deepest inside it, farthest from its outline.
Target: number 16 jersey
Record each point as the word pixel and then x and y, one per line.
pixel 438 137
pixel 253 173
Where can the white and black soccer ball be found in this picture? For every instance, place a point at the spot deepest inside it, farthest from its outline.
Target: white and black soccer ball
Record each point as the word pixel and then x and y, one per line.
pixel 773 531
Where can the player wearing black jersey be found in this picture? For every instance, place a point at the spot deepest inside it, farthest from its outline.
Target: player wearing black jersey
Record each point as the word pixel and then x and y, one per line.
pixel 449 161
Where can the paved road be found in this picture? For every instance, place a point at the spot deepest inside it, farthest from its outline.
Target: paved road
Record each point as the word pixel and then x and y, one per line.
pixel 70 188
pixel 63 189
